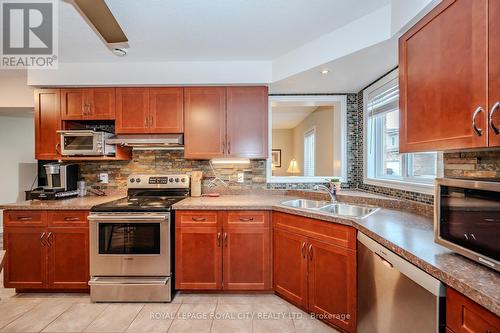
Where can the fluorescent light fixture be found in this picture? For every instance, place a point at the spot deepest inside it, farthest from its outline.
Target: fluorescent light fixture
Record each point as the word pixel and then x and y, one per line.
pixel 230 161
pixel 325 71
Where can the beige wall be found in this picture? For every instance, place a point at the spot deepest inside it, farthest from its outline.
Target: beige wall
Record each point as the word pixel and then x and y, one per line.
pixel 283 139
pixel 14 91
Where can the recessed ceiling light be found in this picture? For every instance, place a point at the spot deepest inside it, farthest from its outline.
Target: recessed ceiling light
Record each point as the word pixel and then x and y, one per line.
pixel 119 52
pixel 325 71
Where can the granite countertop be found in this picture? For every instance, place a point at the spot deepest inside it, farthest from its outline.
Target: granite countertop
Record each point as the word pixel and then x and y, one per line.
pixel 409 235
pixel 83 203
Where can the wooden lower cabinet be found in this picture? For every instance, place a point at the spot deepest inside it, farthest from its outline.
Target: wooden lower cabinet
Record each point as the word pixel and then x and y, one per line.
pixel 198 258
pixel 45 257
pixel 68 258
pixel 210 255
pixel 26 258
pixel 465 316
pixel 290 267
pixel 316 275
pixel 247 258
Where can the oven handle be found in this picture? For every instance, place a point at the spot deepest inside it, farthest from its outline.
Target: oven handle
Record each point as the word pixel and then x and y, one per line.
pixel 122 218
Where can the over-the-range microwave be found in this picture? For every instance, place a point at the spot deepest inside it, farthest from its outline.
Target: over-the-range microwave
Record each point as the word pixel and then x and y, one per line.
pixel 86 143
pixel 467 218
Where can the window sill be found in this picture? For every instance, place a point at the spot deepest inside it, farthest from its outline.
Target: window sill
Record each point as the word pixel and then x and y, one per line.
pixel 401 185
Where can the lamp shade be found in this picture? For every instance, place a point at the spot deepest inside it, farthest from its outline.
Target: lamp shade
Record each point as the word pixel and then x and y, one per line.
pixel 293 168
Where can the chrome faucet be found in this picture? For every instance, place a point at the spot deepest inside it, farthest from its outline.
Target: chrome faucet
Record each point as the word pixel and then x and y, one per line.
pixel 331 191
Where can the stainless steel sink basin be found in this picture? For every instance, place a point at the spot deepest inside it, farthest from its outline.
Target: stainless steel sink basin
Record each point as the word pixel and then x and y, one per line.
pixel 348 210
pixel 337 209
pixel 305 204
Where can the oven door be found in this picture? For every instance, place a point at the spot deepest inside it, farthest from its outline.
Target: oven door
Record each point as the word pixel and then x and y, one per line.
pixel 80 143
pixel 126 244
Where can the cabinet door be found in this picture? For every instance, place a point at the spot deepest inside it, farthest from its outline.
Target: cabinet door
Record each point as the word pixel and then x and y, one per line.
pixel 26 261
pixel 73 104
pixel 443 79
pixel 166 110
pixel 68 258
pixel 247 121
pixel 494 72
pixel 132 110
pixel 47 123
pixel 290 267
pixel 198 250
pixel 332 283
pixel 465 316
pixel 205 124
pixel 247 258
pixel 101 103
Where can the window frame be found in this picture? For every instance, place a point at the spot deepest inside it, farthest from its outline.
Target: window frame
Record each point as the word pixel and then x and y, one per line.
pixel 404 183
pixel 311 132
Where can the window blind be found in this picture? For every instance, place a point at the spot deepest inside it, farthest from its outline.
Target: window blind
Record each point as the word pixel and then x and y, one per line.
pixel 384 99
pixel 309 152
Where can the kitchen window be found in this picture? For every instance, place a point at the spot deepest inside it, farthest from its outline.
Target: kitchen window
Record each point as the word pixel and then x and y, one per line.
pixel 309 152
pixel 384 165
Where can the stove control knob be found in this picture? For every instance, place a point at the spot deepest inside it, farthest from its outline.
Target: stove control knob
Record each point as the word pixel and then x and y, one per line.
pixel 138 180
pixel 132 180
pixel 183 180
pixel 171 180
pixel 176 180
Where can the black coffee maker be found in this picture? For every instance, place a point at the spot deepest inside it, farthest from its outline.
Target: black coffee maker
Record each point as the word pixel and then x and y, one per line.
pixel 61 182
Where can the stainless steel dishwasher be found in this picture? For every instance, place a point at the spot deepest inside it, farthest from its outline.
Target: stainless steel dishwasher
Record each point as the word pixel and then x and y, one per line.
pixel 395 296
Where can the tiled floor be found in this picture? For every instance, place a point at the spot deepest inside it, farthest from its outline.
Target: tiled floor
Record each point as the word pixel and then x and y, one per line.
pixel 187 313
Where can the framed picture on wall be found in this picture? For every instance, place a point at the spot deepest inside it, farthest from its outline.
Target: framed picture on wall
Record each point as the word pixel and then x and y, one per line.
pixel 276 155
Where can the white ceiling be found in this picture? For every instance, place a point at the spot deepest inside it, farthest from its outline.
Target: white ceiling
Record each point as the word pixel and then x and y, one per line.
pixel 286 117
pixel 348 74
pixel 202 30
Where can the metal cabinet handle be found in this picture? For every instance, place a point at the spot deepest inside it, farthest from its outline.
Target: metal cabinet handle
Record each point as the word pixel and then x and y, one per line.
pixel 199 219
pixel 310 252
pixel 303 250
pixel 218 239
pixel 25 218
pixel 494 109
pixel 478 131
pixel 225 239
pixel 246 219
pixel 41 239
pixel 229 147
pixel 49 238
pixel 223 147
pixel 58 150
pixel 151 121
pixel 71 218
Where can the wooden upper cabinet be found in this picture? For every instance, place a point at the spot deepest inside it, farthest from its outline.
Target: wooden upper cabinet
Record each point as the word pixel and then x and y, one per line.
pixel 73 104
pixel 132 110
pixel 205 124
pixel 247 125
pixel 443 77
pixel 88 104
pixel 101 103
pixel 494 72
pixel 47 123
pixel 166 110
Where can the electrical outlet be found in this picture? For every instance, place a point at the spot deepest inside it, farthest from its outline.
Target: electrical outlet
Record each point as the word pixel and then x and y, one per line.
pixel 241 177
pixel 103 178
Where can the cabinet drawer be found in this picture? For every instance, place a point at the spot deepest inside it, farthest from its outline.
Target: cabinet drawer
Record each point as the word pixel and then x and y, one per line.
pixel 464 315
pixel 246 218
pixel 332 233
pixel 67 218
pixel 192 218
pixel 20 218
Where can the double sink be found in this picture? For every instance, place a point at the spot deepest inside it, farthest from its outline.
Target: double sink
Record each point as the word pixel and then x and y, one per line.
pixel 334 209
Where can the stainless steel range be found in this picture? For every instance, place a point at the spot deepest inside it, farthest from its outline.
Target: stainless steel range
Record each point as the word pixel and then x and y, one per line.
pixel 131 244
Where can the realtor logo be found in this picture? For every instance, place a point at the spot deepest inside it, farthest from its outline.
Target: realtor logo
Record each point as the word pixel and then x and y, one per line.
pixel 29 34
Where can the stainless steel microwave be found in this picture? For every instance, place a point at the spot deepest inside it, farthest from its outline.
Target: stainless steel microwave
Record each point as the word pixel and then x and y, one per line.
pixel 86 143
pixel 467 218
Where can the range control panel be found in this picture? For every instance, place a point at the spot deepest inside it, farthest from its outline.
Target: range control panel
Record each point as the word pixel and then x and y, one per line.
pixel 158 181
